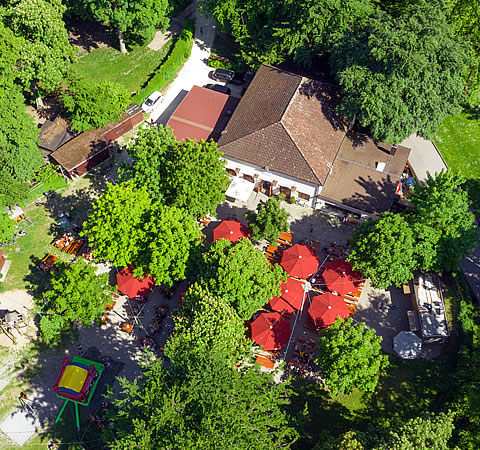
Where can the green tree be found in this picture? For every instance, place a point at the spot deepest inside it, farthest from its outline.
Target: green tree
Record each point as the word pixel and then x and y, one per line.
pixel 384 250
pixel 46 53
pixel 269 220
pixel 422 433
pixel 205 322
pixel 19 153
pixel 442 222
pixel 171 234
pixel 12 191
pixel 216 405
pixel 10 46
pixel 128 228
pixel 76 293
pixel 93 105
pixel 465 18
pixel 136 21
pixel 401 75
pixel 7 226
pixel 350 356
pixel 187 174
pixel 239 273
pixel 116 223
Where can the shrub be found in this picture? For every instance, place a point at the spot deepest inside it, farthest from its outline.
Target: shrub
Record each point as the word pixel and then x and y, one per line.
pixel 93 105
pixel 180 53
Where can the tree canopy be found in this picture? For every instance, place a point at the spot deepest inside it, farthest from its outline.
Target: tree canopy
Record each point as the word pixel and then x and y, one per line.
pixel 350 356
pixel 7 226
pixel 46 53
pixel 205 322
pixel 128 228
pixel 187 174
pixel 76 293
pixel 269 220
pixel 384 250
pixel 216 405
pixel 240 273
pixel 136 21
pixel 401 75
pixel 93 105
pixel 442 222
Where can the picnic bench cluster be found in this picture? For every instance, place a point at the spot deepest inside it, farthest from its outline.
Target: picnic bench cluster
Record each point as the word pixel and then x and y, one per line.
pixel 203 221
pixel 302 357
pixel 274 251
pixel 48 263
pixel 352 298
pixel 267 359
pixel 67 243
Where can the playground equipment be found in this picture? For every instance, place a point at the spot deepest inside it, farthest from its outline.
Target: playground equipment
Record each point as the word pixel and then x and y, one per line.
pixel 77 382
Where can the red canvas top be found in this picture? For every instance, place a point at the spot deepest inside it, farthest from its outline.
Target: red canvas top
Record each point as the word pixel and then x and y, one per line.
pixel 292 292
pixel 300 261
pixel 325 308
pixel 340 277
pixel 231 230
pixel 280 305
pixel 270 330
pixel 133 287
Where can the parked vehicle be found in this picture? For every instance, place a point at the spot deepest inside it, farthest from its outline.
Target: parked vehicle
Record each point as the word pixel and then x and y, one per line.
pixel 218 88
pixel 225 75
pixel 154 99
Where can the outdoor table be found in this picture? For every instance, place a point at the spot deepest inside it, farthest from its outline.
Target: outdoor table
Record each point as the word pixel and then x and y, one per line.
pixel 128 327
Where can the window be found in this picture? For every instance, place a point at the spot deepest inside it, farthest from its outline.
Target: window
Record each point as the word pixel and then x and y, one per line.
pixel 303 196
pixel 286 191
pixel 232 172
pixel 248 178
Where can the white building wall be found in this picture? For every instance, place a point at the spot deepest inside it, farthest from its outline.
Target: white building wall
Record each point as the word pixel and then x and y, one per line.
pixel 277 180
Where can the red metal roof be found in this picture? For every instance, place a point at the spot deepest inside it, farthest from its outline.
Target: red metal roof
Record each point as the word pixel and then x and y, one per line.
pixel 202 114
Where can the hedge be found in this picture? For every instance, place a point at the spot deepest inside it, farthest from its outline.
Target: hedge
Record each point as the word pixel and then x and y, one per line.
pixel 166 72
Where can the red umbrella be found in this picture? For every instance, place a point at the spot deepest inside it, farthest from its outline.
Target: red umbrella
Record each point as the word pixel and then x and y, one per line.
pixel 326 307
pixel 231 230
pixel 292 292
pixel 270 330
pixel 280 305
pixel 133 287
pixel 300 261
pixel 340 277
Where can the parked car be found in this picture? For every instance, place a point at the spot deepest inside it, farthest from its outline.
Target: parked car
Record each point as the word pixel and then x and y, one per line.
pixel 225 75
pixel 154 99
pixel 218 88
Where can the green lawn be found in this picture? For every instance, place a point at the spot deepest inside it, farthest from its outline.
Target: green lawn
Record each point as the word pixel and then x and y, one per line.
pixel 458 140
pixel 131 70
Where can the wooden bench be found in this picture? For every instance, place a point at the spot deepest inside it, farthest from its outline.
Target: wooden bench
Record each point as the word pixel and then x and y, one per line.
pixel 265 362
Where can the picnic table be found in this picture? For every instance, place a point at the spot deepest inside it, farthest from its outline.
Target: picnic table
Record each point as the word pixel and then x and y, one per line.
pixel 285 237
pixel 161 310
pixel 127 327
pixel 48 263
pixel 265 362
pixel 63 240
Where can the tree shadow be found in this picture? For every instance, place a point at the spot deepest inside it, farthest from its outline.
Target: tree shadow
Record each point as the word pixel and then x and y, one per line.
pixel 472 112
pixel 88 36
pixel 328 97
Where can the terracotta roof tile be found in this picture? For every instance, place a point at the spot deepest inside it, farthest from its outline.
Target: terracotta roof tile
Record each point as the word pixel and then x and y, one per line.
pixel 287 123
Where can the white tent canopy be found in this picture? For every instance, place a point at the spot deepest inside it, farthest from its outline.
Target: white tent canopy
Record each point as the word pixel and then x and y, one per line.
pixel 240 189
pixel 407 345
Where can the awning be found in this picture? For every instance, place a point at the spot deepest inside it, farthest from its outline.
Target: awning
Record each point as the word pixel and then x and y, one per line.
pixel 240 189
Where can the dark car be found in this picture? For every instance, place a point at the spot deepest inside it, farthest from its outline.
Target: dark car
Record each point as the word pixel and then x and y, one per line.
pixel 225 75
pixel 218 88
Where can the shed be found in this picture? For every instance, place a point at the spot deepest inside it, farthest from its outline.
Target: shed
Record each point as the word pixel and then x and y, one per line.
pixel 53 134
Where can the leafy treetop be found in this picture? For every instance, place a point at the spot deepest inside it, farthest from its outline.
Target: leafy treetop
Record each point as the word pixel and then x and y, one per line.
pixel 350 356
pixel 269 221
pixel 77 292
pixel 384 250
pixel 401 75
pixel 239 273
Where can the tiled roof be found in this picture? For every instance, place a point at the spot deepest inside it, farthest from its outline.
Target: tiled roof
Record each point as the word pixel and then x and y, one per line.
pixel 354 180
pixel 287 123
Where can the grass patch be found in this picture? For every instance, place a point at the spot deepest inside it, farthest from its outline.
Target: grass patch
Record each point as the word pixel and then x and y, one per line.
pixel 50 180
pixel 131 70
pixel 458 140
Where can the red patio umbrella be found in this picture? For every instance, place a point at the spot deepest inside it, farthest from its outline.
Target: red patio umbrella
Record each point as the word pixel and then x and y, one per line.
pixel 280 305
pixel 340 277
pixel 231 230
pixel 292 292
pixel 270 330
pixel 300 261
pixel 133 287
pixel 325 308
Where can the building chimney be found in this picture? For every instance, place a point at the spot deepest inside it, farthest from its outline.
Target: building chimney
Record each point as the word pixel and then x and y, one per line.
pixel 394 149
